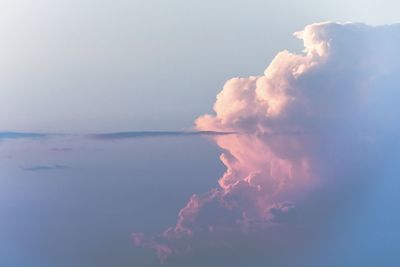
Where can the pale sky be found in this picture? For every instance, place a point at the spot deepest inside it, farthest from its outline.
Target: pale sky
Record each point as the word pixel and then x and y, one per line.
pixel 88 66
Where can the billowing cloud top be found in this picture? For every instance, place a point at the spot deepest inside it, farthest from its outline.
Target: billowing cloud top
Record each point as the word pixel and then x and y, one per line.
pixel 313 121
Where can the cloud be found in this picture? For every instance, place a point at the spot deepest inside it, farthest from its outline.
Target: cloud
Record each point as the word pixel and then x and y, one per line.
pixel 317 126
pixel 38 168
pixel 113 136
pixel 144 134
pixel 18 135
pixel 62 149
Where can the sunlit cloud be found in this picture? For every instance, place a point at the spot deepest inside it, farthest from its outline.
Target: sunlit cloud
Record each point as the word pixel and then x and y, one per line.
pixel 317 126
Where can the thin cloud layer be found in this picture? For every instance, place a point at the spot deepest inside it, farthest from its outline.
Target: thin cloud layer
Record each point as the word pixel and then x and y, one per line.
pixel 19 135
pixel 317 127
pixel 39 168
pixel 144 134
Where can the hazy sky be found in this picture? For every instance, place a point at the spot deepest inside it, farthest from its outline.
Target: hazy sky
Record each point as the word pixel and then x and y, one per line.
pixel 307 177
pixel 76 202
pixel 84 66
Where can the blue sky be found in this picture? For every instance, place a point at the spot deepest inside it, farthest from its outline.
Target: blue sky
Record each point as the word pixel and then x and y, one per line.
pixel 84 213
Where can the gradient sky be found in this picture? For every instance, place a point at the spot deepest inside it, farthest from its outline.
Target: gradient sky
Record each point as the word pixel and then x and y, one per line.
pixel 143 65
pixel 84 213
pixel 77 67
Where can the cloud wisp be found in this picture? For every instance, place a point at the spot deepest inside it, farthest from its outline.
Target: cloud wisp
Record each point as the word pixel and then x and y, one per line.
pixel 111 136
pixel 20 135
pixel 39 168
pixel 318 126
pixel 152 134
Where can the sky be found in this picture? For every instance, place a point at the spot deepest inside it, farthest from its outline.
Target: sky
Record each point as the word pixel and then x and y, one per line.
pixel 76 202
pixel 199 133
pixel 144 65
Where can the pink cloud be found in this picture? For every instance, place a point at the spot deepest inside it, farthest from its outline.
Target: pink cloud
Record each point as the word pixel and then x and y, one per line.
pixel 302 127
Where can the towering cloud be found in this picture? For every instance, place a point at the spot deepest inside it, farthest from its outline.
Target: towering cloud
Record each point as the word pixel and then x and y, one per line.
pixel 311 132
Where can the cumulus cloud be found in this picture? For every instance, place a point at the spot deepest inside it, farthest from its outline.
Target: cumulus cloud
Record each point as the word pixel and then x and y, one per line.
pixel 312 128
